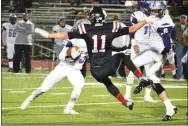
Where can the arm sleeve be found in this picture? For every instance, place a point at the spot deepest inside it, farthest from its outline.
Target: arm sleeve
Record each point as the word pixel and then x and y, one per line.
pixel 4 35
pixel 133 20
pixel 165 33
pixel 123 31
pixel 62 54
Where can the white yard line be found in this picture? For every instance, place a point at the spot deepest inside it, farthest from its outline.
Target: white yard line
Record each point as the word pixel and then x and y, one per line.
pixel 94 85
pixel 58 93
pixel 35 75
pixel 82 104
pixel 17 92
pixel 100 95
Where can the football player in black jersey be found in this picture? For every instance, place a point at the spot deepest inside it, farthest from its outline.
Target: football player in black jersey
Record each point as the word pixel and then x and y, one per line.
pixel 98 37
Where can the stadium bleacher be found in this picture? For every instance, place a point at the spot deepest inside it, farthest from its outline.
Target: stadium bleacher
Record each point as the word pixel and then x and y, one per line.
pixel 45 14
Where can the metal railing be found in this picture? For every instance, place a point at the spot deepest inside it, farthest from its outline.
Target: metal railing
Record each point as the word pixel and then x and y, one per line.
pixel 42 50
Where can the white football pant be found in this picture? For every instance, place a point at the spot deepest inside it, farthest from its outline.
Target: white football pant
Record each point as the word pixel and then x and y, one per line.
pixel 63 71
pixel 146 57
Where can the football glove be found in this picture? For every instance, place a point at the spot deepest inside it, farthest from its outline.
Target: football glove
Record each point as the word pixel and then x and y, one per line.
pixel 151 19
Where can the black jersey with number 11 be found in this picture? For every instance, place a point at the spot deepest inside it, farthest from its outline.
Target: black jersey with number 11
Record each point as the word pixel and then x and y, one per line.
pixel 99 39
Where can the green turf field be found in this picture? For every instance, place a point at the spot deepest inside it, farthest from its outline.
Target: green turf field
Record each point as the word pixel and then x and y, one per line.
pixel 93 109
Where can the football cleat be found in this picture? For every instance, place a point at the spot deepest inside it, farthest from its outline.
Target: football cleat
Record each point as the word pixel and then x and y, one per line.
pixel 70 112
pixel 143 83
pixel 10 70
pixel 163 76
pixel 25 104
pixel 174 76
pixel 138 89
pixel 168 117
pixel 129 104
pixel 149 99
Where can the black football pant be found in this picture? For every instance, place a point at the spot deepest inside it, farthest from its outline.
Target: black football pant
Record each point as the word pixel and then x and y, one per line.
pixel 26 49
pixel 101 73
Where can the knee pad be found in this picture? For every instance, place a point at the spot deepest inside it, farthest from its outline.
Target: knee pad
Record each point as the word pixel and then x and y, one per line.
pixel 157 87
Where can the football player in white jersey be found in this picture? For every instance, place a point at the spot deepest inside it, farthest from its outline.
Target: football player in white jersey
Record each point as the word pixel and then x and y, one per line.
pixel 159 45
pixel 121 42
pixel 140 42
pixel 83 20
pixel 60 27
pixel 69 67
pixel 9 37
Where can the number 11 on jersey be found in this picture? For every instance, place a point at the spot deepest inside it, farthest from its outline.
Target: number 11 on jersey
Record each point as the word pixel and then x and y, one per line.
pixel 95 43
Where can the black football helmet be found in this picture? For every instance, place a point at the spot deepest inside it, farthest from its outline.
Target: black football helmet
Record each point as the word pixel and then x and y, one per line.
pixel 97 15
pixel 12 18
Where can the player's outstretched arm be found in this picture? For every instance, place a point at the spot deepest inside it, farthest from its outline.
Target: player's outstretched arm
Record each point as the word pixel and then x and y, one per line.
pixel 137 26
pixel 45 34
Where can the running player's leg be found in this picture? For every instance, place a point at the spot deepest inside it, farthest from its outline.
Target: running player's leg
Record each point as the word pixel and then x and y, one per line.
pixel 171 60
pixel 131 76
pixel 55 76
pixel 101 75
pixel 77 80
pixel 162 93
pixel 147 96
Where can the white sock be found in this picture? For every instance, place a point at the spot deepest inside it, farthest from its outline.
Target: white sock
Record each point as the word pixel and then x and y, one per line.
pixel 128 91
pixel 167 103
pixel 173 72
pixel 162 70
pixel 20 65
pixel 10 64
pixel 74 96
pixel 147 92
pixel 130 78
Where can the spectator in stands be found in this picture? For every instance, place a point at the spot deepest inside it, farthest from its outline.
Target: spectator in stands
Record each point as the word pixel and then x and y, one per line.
pixel 60 27
pixel 185 38
pixel 180 47
pixel 181 5
pixel 97 1
pixel 23 43
pixel 111 1
pixel 77 2
pixel 11 7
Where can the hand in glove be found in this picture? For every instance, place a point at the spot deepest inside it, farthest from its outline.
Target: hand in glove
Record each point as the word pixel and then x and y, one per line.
pixel 151 19
pixel 135 46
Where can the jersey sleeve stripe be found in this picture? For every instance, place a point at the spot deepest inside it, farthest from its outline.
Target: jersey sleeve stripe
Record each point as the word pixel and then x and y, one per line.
pixel 81 29
pixel 115 26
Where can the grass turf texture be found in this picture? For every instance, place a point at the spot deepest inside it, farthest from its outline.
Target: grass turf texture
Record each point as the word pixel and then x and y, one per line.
pixel 48 108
